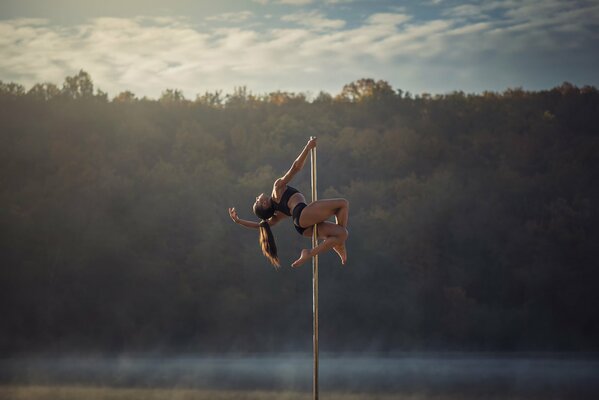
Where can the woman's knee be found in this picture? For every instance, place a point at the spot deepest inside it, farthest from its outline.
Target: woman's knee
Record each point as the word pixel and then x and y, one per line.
pixel 343 234
pixel 340 236
pixel 341 204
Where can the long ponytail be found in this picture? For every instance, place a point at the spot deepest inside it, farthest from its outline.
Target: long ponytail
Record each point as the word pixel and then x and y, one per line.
pixel 267 244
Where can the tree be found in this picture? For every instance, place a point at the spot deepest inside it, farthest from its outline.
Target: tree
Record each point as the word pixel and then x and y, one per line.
pixel 366 89
pixel 12 89
pixel 78 86
pixel 212 99
pixel 44 91
pixel 172 96
pixel 125 97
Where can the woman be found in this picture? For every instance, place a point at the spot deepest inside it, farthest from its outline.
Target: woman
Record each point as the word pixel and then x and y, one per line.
pixel 286 201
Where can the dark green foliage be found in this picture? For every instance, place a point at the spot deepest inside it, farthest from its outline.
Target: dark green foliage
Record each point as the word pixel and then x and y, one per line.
pixel 473 221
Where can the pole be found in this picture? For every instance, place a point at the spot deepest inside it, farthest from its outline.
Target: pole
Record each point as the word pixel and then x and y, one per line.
pixel 314 283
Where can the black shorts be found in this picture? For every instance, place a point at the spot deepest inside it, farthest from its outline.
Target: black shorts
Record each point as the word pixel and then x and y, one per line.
pixel 297 211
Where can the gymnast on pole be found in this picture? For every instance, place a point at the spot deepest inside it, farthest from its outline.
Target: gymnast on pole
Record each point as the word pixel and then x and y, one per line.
pixel 286 201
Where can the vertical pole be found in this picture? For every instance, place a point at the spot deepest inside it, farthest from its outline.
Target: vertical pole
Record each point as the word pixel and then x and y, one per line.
pixel 314 283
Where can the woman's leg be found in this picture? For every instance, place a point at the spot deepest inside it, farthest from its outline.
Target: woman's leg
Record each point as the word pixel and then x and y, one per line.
pixel 334 235
pixel 321 210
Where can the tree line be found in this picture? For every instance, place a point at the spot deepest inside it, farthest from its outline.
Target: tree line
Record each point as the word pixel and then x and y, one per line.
pixel 473 219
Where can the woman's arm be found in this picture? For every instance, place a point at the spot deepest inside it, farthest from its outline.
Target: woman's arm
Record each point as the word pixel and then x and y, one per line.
pixel 237 220
pixel 272 221
pixel 299 162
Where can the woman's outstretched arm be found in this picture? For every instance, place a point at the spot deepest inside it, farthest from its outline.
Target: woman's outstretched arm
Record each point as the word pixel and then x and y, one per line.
pixel 272 221
pixel 299 162
pixel 237 220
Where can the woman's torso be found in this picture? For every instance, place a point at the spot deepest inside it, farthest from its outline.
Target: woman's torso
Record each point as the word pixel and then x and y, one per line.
pixel 278 196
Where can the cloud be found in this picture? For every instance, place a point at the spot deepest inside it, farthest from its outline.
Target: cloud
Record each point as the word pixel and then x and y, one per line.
pixel 231 17
pixel 301 2
pixel 315 20
pixel 465 11
pixel 390 19
pixel 295 2
pixel 459 50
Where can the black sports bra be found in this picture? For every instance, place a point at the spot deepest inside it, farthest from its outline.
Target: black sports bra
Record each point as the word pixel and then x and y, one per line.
pixel 282 205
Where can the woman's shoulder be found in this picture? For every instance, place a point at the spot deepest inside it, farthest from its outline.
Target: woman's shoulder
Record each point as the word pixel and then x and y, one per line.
pixel 278 188
pixel 280 184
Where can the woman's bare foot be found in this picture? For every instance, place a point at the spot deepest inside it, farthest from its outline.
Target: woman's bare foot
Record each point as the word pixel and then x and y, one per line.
pixel 342 252
pixel 304 256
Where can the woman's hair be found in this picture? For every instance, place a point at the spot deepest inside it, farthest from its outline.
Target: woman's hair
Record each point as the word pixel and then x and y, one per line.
pixel 267 243
pixel 264 213
pixel 267 240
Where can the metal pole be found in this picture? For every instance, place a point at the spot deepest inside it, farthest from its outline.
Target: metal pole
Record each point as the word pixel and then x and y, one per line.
pixel 314 283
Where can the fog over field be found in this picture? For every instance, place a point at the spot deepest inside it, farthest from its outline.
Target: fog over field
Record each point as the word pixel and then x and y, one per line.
pixel 523 375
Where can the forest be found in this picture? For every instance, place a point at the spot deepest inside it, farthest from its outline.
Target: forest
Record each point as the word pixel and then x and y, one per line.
pixel 473 220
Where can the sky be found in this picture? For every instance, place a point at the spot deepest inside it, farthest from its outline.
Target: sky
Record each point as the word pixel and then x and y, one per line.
pixel 426 46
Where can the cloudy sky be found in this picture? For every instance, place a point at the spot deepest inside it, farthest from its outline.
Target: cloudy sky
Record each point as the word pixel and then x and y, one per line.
pixel 433 46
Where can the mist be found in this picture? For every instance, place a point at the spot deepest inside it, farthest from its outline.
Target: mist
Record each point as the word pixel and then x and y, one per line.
pixel 511 375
